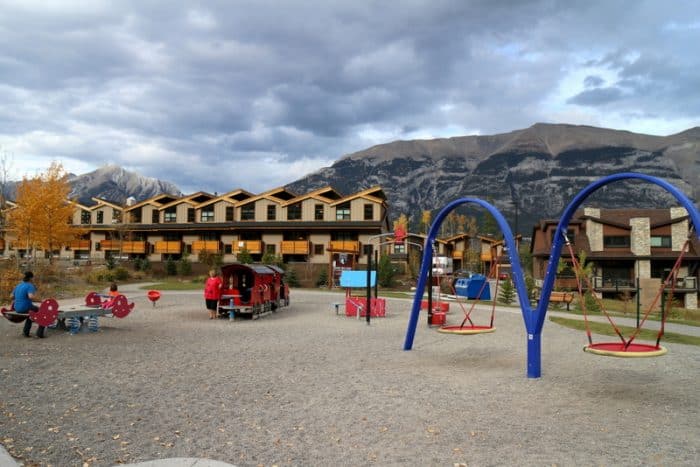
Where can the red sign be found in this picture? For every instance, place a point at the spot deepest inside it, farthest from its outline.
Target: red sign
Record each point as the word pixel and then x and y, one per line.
pixel 399 235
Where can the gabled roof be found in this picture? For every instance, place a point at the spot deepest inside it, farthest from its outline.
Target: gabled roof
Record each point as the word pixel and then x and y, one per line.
pixel 326 194
pixel 193 200
pixel 103 202
pixel 375 194
pixel 158 201
pixel 278 195
pixel 457 237
pixel 232 197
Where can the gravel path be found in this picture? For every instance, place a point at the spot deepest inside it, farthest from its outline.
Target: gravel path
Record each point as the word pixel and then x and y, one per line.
pixel 306 387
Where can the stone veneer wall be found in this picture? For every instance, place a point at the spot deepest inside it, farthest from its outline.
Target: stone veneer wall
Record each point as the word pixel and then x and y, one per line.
pixel 594 230
pixel 679 230
pixel 640 237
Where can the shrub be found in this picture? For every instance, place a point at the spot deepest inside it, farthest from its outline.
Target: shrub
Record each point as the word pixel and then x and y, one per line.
pixel 322 278
pixel 386 272
pixel 244 256
pixel 170 266
pixel 507 293
pixel 184 266
pixel 291 278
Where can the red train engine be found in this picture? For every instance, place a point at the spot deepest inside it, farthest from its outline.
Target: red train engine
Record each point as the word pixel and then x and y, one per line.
pixel 251 290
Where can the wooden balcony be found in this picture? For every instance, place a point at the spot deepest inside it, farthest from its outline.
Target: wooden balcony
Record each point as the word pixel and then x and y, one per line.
pixel 253 246
pixel 295 247
pixel 79 245
pixel 210 246
pixel 486 257
pixel 125 246
pixel 457 254
pixel 168 247
pixel 346 246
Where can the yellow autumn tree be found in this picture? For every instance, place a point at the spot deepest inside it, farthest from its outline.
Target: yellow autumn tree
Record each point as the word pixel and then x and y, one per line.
pixel 401 221
pixel 40 220
pixel 425 220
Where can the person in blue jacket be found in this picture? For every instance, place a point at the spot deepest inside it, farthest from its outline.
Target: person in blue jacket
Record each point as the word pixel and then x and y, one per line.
pixel 24 294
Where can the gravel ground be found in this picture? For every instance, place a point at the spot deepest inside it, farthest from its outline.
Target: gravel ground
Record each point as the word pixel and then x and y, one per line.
pixel 306 387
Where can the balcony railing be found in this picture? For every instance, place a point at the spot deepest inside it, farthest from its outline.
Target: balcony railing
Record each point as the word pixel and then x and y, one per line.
pixel 168 247
pixel 125 246
pixel 295 247
pixel 210 246
pixel 351 246
pixel 457 254
pixel 79 245
pixel 253 246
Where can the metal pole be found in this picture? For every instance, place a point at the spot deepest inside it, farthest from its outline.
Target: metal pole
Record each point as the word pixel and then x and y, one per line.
pixel 638 302
pixel 376 269
pixel 369 286
pixel 430 292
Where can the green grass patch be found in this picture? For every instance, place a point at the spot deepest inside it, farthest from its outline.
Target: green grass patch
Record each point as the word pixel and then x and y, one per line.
pixel 607 330
pixel 175 285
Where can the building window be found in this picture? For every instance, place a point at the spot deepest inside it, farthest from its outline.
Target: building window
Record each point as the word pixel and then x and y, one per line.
pixel 170 214
pixel 100 217
pixel 369 212
pixel 228 249
pixel 271 212
pixel 318 248
pixel 229 213
pixel 271 249
pixel 294 212
pixel 155 217
pixel 116 217
pixel 342 212
pixel 190 215
pixel 84 217
pixel 318 212
pixel 207 215
pixel 570 234
pixel 660 241
pixel 616 241
pixel 248 212
pixel 367 249
pixel 399 249
pixel 209 236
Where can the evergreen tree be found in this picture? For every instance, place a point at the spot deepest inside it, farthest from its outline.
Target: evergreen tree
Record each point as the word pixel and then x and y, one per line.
pixel 507 293
pixel 244 256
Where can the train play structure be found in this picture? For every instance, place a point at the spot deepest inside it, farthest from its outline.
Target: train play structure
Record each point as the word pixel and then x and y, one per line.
pixel 534 317
pixel 252 290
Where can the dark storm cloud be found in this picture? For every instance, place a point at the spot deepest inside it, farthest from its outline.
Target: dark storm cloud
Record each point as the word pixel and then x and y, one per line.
pixel 281 88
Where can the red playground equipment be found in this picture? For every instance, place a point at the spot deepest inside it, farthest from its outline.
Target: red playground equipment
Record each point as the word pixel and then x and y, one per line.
pixel 252 290
pixel 356 305
pixel 153 296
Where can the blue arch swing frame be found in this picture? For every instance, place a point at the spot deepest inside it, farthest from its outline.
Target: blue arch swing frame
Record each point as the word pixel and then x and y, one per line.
pixel 533 317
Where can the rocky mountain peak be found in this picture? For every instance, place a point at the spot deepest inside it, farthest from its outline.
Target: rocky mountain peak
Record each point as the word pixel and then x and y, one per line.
pixel 528 174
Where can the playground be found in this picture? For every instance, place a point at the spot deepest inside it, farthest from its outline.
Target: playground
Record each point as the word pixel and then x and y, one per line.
pixel 307 386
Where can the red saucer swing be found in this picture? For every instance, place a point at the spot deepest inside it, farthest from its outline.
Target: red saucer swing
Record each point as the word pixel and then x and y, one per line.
pixel 626 347
pixel 471 327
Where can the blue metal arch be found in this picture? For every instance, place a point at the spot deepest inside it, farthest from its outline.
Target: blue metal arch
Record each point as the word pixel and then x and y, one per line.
pixel 555 253
pixel 427 262
pixel 534 319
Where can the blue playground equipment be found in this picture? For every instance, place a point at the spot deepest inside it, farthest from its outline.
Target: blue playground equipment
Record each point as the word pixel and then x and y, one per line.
pixel 471 286
pixel 533 318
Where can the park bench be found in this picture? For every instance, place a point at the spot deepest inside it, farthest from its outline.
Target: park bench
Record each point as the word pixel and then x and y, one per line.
pixel 562 297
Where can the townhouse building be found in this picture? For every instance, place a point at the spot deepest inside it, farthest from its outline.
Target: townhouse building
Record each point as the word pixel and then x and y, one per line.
pixel 321 228
pixel 625 247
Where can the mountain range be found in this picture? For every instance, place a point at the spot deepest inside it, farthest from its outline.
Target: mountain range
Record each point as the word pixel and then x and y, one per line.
pixel 527 174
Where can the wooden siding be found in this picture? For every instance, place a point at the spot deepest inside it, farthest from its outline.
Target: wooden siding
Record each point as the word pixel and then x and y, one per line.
pixel 79 245
pixel 344 245
pixel 253 246
pixel 295 247
pixel 124 246
pixel 212 246
pixel 164 246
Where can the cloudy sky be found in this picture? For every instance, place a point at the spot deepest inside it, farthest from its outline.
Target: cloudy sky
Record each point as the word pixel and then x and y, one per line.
pixel 218 95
